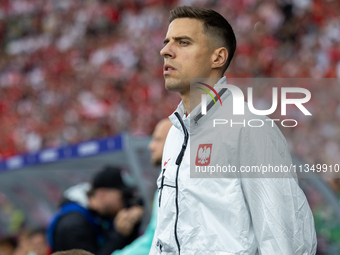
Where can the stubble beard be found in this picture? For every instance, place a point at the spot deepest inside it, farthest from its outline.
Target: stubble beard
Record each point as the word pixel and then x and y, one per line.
pixel 176 84
pixel 157 162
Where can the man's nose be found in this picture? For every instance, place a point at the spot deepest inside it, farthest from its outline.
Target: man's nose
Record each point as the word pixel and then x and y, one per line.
pixel 167 51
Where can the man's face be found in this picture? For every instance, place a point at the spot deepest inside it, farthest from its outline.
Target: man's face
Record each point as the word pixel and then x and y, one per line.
pixel 188 52
pixel 112 201
pixel 37 244
pixel 158 139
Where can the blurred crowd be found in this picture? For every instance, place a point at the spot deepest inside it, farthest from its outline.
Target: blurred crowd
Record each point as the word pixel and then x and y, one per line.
pixel 74 70
pixel 78 70
pixel 99 216
pixel 29 241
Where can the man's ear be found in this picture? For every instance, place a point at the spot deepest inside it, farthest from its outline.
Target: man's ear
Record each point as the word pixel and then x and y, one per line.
pixel 219 57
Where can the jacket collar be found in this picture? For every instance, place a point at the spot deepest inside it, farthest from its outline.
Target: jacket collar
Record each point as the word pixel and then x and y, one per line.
pixel 182 112
pixel 191 119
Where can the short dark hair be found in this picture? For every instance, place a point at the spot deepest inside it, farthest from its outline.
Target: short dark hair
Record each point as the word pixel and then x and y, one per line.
pixel 73 252
pixel 109 177
pixel 8 241
pixel 214 24
pixel 91 192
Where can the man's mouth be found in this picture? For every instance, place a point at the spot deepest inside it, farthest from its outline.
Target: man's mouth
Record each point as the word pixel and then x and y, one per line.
pixel 168 69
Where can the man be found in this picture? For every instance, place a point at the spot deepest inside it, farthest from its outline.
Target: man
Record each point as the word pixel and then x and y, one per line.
pixel 158 139
pixel 7 246
pixel 142 245
pixel 223 215
pixel 73 252
pixel 23 243
pixel 37 243
pixel 98 218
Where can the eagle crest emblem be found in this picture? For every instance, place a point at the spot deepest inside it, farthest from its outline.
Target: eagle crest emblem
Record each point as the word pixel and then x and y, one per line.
pixel 203 154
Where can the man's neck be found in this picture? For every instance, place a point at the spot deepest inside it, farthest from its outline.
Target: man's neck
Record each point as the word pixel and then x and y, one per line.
pixel 190 100
pixel 186 101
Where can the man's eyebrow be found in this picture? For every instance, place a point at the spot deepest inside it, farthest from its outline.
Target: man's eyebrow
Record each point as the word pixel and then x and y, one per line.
pixel 178 38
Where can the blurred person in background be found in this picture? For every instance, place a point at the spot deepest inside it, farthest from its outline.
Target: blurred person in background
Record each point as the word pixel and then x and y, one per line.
pixel 142 245
pixel 37 243
pixel 98 218
pixel 334 184
pixel 7 246
pixel 158 139
pixel 23 243
pixel 73 252
pixel 328 229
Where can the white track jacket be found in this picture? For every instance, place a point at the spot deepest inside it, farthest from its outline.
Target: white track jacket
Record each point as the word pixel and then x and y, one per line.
pixel 229 216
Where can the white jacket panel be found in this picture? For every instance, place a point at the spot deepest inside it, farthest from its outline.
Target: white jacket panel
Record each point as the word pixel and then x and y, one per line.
pixel 230 216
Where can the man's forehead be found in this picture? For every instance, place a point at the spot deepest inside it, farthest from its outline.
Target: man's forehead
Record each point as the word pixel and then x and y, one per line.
pixel 185 27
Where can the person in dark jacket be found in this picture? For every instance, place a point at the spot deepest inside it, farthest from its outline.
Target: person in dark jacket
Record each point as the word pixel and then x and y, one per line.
pixel 99 217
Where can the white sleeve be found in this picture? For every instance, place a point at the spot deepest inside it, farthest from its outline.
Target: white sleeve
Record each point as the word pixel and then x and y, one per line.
pixel 282 220
pixel 153 250
pixel 281 217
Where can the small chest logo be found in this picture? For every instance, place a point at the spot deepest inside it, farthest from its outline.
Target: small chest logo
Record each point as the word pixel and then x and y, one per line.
pixel 166 162
pixel 203 154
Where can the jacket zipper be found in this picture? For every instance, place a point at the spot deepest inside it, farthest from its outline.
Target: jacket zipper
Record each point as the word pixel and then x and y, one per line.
pixel 180 158
pixel 161 189
pixel 178 162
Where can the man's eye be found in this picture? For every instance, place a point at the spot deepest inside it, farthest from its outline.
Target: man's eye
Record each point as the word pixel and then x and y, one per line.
pixel 183 43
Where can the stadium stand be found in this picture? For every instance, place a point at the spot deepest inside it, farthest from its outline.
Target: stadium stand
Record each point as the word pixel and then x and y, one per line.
pixel 78 70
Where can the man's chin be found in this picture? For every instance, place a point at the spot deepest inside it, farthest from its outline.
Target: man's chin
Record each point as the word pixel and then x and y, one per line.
pixel 172 84
pixel 169 83
pixel 156 162
pixel 108 214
